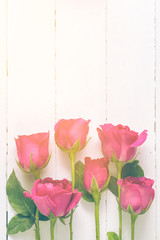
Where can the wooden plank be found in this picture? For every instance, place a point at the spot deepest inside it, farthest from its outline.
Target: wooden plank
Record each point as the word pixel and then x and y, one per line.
pixel 3 116
pixel 31 83
pixel 131 91
pixel 81 91
pixel 157 81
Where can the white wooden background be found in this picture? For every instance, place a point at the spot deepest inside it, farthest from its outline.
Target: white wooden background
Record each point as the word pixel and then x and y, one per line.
pixel 95 59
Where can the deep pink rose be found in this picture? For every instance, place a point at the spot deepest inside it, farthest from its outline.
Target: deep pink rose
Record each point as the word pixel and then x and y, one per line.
pixel 120 141
pixel 54 195
pixel 68 132
pixel 97 168
pixel 35 145
pixel 136 192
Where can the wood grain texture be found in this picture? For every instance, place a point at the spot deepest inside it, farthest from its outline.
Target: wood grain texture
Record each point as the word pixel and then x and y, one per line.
pixel 98 60
pixel 3 116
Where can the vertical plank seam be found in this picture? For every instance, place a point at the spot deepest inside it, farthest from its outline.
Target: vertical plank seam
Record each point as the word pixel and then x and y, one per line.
pixel 55 76
pixel 106 8
pixel 55 89
pixel 155 115
pixel 6 109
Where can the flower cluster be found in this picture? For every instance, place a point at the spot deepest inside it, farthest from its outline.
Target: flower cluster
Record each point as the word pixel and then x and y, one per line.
pixel 57 199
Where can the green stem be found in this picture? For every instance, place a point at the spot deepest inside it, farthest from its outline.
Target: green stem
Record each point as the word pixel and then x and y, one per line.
pixel 119 171
pixel 37 176
pixel 133 219
pixel 52 225
pixel 72 156
pixel 97 201
pixel 37 225
pixel 70 225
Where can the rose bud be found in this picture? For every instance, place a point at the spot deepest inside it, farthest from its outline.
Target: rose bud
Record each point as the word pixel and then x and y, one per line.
pixel 54 196
pixel 96 174
pixel 33 151
pixel 120 141
pixel 71 134
pixel 136 193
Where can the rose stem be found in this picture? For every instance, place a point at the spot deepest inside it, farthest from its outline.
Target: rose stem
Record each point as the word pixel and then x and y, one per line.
pixel 72 158
pixel 97 201
pixel 37 225
pixel 119 170
pixel 133 219
pixel 52 224
pixel 37 176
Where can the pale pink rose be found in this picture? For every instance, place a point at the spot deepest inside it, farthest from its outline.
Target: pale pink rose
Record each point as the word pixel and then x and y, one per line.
pixel 54 195
pixel 97 168
pixel 136 192
pixel 68 132
pixel 120 141
pixel 35 145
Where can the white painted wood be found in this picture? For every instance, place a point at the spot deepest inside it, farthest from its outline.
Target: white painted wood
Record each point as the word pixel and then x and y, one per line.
pixel 3 138
pixel 31 99
pixel 99 60
pixel 131 90
pixel 81 90
pixel 157 80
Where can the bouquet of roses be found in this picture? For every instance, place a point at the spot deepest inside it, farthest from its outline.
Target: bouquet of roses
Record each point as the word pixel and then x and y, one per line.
pixel 50 199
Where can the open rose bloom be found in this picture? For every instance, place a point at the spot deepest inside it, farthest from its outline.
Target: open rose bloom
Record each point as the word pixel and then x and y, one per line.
pixel 136 192
pixel 97 168
pixel 34 146
pixel 54 196
pixel 120 141
pixel 68 132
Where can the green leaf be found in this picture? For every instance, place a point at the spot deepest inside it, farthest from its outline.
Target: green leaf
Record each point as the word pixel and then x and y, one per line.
pixel 79 175
pixel 112 186
pixel 43 217
pixel 132 169
pixel 112 236
pixel 22 205
pixel 19 223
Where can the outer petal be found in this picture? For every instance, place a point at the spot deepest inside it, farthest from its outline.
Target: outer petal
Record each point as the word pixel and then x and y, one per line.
pixel 76 196
pixel 131 197
pixel 67 132
pixel 61 202
pixel 97 168
pixel 141 139
pixel 43 204
pixel 136 192
pixel 43 151
pixel 87 180
pixel 110 140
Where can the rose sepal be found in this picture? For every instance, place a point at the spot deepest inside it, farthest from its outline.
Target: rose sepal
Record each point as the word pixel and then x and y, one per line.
pixel 67 216
pixel 94 186
pixel 75 148
pixel 52 217
pixel 33 168
pixel 145 210
pixel 85 144
pixel 106 184
pixel 22 169
pixel 115 160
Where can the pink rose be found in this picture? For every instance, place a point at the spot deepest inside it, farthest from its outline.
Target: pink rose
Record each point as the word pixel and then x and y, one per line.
pixel 68 132
pixel 97 168
pixel 120 141
pixel 35 146
pixel 54 195
pixel 136 192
